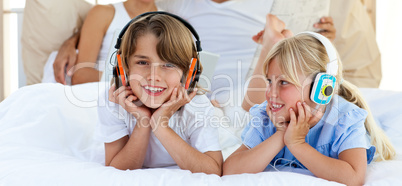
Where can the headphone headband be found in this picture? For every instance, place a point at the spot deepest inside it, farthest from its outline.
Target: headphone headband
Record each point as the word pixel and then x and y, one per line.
pixel 186 24
pixel 332 66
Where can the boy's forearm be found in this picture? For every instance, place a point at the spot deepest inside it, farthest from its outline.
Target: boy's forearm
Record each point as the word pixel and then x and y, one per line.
pixel 132 155
pixel 185 156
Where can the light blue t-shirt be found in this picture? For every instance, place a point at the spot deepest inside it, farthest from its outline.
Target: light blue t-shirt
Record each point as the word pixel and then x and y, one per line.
pixel 340 128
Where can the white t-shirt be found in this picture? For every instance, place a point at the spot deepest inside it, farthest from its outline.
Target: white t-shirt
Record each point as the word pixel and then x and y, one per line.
pixel 225 29
pixel 193 123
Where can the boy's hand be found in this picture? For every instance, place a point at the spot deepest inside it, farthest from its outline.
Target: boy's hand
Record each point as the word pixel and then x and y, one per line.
pixel 178 99
pixel 299 126
pixel 326 28
pixel 125 97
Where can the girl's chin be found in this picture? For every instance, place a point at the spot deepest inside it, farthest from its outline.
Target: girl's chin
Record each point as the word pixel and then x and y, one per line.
pixel 276 119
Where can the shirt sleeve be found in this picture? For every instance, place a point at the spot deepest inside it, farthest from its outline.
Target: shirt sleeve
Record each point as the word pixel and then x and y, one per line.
pixel 111 124
pixel 351 133
pixel 259 128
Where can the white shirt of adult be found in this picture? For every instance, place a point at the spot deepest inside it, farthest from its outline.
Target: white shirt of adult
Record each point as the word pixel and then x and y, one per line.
pixel 225 29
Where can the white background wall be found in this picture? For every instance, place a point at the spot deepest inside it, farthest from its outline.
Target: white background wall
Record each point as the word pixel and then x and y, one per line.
pixel 389 38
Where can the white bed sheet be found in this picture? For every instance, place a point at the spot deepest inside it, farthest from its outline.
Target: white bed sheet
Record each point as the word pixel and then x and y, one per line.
pixel 46 139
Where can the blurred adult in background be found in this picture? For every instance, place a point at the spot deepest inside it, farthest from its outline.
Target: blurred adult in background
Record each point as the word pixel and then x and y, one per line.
pixel 356 43
pixel 46 25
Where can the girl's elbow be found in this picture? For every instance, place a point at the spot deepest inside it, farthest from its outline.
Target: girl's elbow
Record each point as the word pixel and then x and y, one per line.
pixel 356 181
pixel 226 170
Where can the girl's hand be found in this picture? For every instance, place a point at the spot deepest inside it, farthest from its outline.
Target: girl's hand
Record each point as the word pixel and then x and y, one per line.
pixel 178 99
pixel 299 126
pixel 326 28
pixel 125 97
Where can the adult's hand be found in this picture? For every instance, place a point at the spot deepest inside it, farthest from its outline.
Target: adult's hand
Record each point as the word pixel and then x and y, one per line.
pixel 65 59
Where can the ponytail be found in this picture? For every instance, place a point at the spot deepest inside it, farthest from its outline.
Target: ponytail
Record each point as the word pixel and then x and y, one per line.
pixel 384 148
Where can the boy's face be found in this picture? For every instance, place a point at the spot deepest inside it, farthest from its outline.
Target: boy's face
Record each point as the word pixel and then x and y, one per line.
pixel 151 79
pixel 281 95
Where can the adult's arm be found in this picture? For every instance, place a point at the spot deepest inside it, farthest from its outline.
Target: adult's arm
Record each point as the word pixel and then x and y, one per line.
pixel 92 33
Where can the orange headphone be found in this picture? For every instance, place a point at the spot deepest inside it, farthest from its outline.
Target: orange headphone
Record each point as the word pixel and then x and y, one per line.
pixel 195 67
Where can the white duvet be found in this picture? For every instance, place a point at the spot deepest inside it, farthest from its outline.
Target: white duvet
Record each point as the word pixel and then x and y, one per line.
pixel 46 139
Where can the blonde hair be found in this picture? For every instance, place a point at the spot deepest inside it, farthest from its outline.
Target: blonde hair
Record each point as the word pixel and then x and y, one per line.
pixel 305 54
pixel 175 42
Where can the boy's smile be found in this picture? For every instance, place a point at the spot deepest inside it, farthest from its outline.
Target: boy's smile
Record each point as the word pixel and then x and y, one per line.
pixel 153 90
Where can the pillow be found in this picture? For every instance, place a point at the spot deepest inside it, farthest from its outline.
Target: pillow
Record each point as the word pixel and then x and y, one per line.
pixel 46 25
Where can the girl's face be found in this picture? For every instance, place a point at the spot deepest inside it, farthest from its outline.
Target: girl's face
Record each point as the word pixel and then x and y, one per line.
pixel 281 95
pixel 151 79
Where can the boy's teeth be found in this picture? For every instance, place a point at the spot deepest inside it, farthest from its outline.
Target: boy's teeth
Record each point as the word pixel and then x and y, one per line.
pixel 153 89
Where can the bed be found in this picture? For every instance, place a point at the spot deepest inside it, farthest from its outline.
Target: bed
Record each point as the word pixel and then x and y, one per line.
pixel 46 130
pixel 46 138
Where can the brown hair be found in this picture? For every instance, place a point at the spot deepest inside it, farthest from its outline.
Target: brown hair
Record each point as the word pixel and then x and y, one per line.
pixel 175 42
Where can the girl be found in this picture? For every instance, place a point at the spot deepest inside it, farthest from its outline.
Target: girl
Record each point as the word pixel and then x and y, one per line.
pixel 158 127
pixel 330 141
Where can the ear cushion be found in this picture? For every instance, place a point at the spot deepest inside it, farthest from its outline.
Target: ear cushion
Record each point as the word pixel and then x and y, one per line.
pixel 322 88
pixel 191 73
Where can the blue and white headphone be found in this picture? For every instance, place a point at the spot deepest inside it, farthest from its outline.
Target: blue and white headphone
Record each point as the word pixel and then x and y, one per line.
pixel 323 86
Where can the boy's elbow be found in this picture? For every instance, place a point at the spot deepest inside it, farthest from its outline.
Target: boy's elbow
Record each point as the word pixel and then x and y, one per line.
pixel 215 170
pixel 218 171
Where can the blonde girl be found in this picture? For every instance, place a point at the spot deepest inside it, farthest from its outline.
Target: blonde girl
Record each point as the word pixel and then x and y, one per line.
pixel 153 122
pixel 334 141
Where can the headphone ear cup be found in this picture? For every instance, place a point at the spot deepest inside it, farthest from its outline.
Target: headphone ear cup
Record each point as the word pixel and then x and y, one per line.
pixel 322 88
pixel 118 73
pixel 192 73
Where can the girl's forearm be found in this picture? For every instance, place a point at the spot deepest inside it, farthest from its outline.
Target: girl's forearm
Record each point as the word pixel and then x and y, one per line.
pixel 326 167
pixel 184 155
pixel 255 159
pixel 132 155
